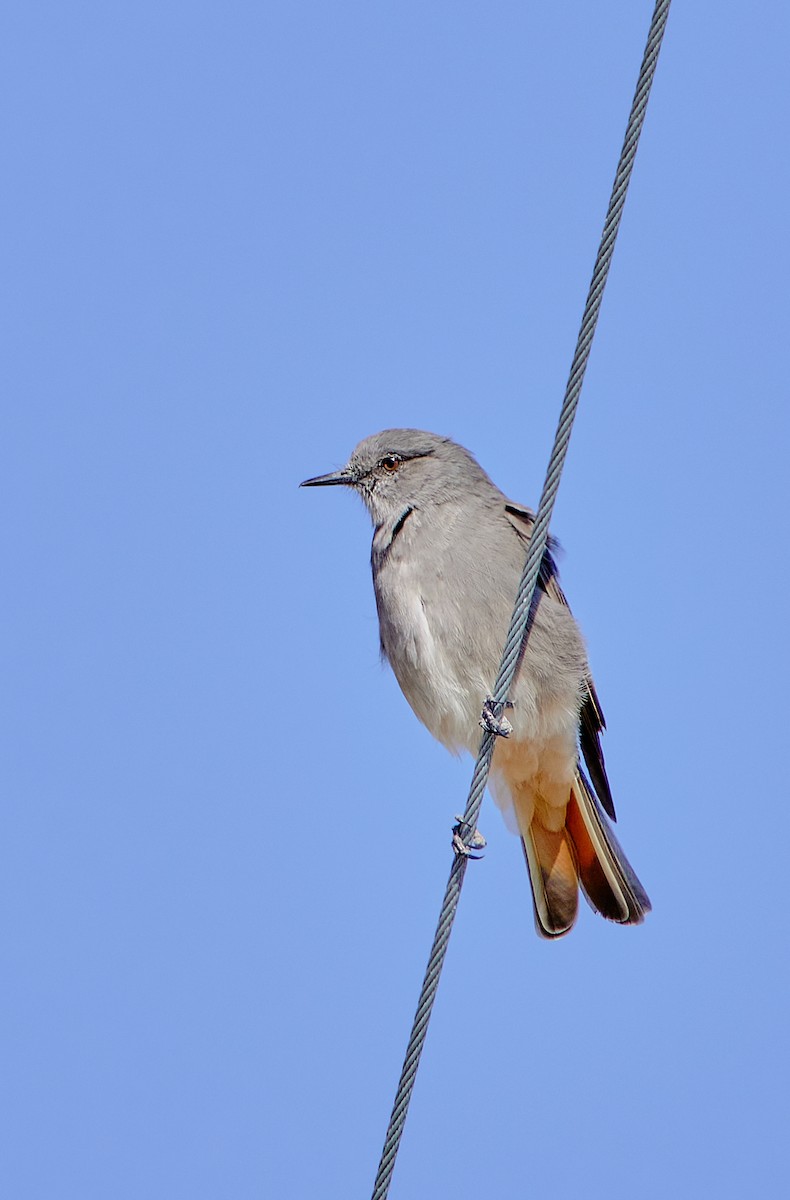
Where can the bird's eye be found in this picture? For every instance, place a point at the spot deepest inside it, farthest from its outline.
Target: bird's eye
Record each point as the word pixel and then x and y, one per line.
pixel 390 463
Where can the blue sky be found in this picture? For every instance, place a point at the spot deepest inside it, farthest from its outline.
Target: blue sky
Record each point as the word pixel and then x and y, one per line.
pixel 236 239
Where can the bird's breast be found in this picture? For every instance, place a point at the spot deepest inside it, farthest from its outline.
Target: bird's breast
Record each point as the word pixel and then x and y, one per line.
pixel 419 639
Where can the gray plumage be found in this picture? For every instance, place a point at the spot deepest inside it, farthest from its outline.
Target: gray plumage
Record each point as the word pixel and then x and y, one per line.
pixel 447 556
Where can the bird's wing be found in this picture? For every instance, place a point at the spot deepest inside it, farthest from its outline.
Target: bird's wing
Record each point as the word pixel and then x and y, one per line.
pixel 591 721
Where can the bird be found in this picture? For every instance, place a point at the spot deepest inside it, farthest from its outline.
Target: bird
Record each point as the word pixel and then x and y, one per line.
pixel 447 556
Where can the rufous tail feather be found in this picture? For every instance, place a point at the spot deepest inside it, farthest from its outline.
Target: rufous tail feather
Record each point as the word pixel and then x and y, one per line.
pixel 584 853
pixel 607 878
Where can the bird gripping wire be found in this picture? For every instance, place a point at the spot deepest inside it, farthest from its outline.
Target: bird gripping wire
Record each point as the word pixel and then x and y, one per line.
pixel 520 621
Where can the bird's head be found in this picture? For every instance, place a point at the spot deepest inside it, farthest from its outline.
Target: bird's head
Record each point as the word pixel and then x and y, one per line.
pixel 399 469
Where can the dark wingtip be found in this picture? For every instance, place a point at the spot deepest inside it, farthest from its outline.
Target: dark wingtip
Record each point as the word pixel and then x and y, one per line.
pixel 590 728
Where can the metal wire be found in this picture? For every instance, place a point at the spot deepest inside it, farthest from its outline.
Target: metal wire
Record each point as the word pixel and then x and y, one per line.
pixel 520 621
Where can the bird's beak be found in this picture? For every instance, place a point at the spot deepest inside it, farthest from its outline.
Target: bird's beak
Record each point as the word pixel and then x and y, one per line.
pixel 341 476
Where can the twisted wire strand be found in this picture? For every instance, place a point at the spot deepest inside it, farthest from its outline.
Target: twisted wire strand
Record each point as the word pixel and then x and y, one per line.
pixel 519 625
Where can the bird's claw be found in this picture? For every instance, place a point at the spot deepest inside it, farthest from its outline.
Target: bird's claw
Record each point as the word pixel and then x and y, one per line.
pixel 476 841
pixel 492 720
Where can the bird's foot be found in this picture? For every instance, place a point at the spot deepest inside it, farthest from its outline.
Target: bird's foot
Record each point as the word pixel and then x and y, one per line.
pixel 492 720
pixel 467 849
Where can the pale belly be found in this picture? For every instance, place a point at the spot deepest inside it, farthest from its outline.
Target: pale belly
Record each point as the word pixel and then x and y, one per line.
pixel 431 675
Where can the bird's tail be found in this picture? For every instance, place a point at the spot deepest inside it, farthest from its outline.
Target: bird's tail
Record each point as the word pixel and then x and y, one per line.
pixel 583 852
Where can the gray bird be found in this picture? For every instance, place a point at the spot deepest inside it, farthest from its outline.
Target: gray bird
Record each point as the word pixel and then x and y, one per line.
pixel 448 552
